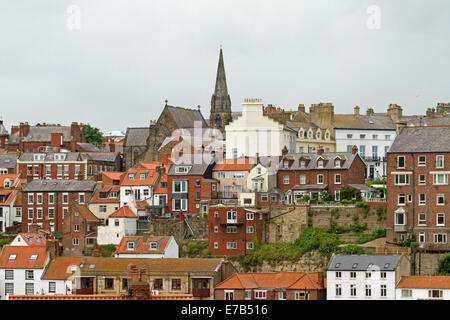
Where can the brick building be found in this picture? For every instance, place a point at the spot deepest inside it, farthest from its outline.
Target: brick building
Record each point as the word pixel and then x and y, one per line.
pixel 8 163
pixel 418 189
pixel 79 230
pixel 52 165
pixel 26 138
pixel 189 185
pixel 46 202
pixel 311 174
pixel 231 230
pixel 273 286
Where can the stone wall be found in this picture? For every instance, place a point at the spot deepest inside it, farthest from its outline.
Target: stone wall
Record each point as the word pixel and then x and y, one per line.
pixel 178 228
pixel 287 223
pixel 321 217
pixel 426 263
pixel 309 262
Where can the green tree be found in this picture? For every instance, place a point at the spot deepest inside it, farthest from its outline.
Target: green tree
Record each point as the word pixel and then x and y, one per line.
pixel 444 265
pixel 93 135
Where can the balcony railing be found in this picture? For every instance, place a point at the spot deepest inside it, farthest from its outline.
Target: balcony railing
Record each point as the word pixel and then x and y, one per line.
pixel 400 228
pixel 201 292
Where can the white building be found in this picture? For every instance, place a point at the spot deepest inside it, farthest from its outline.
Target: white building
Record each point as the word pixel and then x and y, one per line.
pixel 253 133
pixel 21 269
pixel 365 277
pixel 10 209
pixel 121 223
pixel 373 134
pixel 147 247
pixel 423 288
pixel 137 182
pixel 58 276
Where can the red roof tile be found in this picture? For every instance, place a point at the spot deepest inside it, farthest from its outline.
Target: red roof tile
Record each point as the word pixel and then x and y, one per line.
pixel 60 268
pixel 141 246
pixel 424 282
pixel 22 259
pixel 149 177
pixel 86 213
pixel 239 164
pixel 123 212
pixel 107 189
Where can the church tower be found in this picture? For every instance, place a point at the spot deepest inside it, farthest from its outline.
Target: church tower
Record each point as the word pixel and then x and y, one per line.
pixel 220 114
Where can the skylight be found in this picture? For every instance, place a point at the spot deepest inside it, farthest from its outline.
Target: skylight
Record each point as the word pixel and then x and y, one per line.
pixel 91 266
pixel 34 257
pixel 387 265
pixel 355 265
pixel 12 257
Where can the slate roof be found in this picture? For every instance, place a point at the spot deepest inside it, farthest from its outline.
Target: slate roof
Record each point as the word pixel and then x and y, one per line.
pixel 363 122
pixel 3 131
pixel 43 134
pixel 313 157
pixel 426 121
pixel 195 170
pixel 432 139
pixel 136 137
pixel 101 156
pixel 363 262
pixel 50 156
pixel 8 161
pixel 185 118
pixel 59 185
pixel 88 147
pixel 310 187
pixel 14 138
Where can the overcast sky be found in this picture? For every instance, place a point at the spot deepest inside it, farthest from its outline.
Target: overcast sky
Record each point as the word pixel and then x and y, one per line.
pixel 128 56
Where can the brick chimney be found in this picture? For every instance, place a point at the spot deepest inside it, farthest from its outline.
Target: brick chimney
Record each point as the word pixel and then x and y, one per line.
pixel 356 110
pixel 284 151
pixel 320 278
pixel 56 141
pixel 320 150
pixel 52 248
pixel 34 228
pixel 430 112
pixel 370 112
pixel 301 108
pixel 138 288
pixel 14 129
pixel 354 150
pixel 24 129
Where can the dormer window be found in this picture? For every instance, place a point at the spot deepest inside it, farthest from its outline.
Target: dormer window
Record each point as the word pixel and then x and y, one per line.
pixel 143 176
pixel 182 169
pixel 7 183
pixel 320 164
pixel 34 257
pixel 12 257
pixel 286 164
pixel 153 245
pixel 337 163
pixel 60 156
pixel 302 164
pixel 38 157
pixel 130 245
pixel 131 176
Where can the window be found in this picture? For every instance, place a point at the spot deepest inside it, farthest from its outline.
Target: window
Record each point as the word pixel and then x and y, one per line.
pixel 9 274
pixel 153 246
pixel 383 290
pixel 338 274
pixel 231 245
pixel 260 294
pixel 435 293
pixel 59 170
pixel 109 283
pixel 368 275
pixel 12 257
pixel 368 290
pixel 229 294
pixel 51 213
pixel 250 229
pixel 439 161
pixel 320 164
pixel 18 212
pixel 264 198
pixel 238 175
pixel 75 241
pixel 362 151
pixel 402 179
pixel 286 179
pixel 39 213
pixel 349 136
pixel 406 293
pixel 422 219
pixel 353 275
pixel 440 238
pixel 302 164
pixel 116 222
pixel 422 179
pixel 179 204
pixel 440 178
pixel 250 216
pixel 81 198
pixel 65 198
pixel 180 186
pixel 197 195
pixel 422 161
pixel 65 211
pixel 76 227
pixel 216 245
pixel 248 294
pixel 374 136
pixel 374 152
pixel 231 229
pixel 9 288
pixel 222 175
pixel 130 245
pixel 52 287
pixel 302 179
pixel 182 169
pixel 30 198
pixel 30 214
pixel 102 209
pixel 337 179
pixel 124 283
pixel 216 229
pixel 176 284
pixel 440 219
pixel 29 275
pixel 440 199
pixel 337 163
pixel 249 245
pixel 77 169
pixel 282 295
pixel 338 290
pixel 422 199
pixel 387 137
pixel 401 199
pixel 409 197
pixel 400 162
pixel 29 288
pixel 320 179
pixel 235 153
pixel 400 218
pixel 353 290
pixel 383 275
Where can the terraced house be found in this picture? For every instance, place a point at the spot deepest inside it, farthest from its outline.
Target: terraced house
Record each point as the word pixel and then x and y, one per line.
pixel 418 187
pixel 312 174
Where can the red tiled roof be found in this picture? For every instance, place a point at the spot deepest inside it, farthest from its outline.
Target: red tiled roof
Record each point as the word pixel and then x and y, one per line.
pixel 239 164
pixel 33 239
pixel 140 205
pixel 113 175
pixel 22 260
pixel 141 247
pixel 86 213
pixel 150 177
pixel 11 176
pixel 123 212
pixel 158 189
pixel 60 268
pixel 286 280
pixel 424 282
pixel 96 197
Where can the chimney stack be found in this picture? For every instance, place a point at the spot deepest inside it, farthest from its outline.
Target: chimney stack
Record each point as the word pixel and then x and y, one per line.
pixel 284 151
pixel 370 112
pixel 320 150
pixel 354 150
pixel 356 110
pixel 112 147
pixel 301 108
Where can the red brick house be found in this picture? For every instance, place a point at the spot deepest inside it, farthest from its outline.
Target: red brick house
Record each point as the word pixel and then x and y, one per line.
pixel 189 185
pixel 47 202
pixel 311 174
pixel 26 138
pixel 273 286
pixel 79 230
pixel 231 230
pixel 418 187
pixel 52 165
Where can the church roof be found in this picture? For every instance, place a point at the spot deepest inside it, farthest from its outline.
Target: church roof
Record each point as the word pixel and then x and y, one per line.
pixel 136 137
pixel 186 118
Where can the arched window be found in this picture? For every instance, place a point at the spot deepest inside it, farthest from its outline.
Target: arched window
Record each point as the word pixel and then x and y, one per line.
pixel 135 156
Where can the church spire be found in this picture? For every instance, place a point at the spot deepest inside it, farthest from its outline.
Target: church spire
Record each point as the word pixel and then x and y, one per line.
pixel 220 114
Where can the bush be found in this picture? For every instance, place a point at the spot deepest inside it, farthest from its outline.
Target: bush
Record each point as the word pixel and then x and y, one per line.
pixel 107 250
pixel 325 196
pixel 444 265
pixel 377 233
pixel 58 235
pixel 350 194
pixel 353 249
